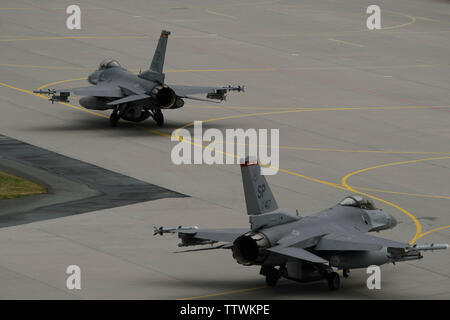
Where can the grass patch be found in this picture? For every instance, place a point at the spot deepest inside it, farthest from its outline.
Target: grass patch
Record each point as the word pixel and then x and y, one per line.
pixel 15 187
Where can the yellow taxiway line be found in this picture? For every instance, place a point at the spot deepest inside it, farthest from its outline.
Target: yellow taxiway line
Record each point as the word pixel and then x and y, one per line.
pixel 416 222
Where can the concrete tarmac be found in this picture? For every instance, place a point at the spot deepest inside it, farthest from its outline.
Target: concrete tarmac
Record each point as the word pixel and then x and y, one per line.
pixel 355 108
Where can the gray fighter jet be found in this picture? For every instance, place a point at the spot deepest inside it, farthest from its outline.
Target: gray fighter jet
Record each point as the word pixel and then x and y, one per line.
pixel 136 97
pixel 304 248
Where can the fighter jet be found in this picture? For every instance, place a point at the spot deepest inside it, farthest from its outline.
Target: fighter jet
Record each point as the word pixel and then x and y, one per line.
pixel 136 97
pixel 308 248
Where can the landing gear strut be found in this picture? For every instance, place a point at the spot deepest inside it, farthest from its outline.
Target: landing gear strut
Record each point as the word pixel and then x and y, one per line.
pixel 333 281
pixel 114 118
pixel 345 273
pixel 158 117
pixel 272 275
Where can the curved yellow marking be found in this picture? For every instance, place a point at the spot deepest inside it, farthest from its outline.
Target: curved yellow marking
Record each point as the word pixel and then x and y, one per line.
pixel 416 222
pixel 432 230
pixel 302 110
pixel 59 82
pixel 433 20
pixel 403 193
pixel 412 20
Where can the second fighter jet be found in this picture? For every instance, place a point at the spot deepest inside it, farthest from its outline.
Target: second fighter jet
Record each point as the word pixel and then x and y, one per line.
pixel 136 97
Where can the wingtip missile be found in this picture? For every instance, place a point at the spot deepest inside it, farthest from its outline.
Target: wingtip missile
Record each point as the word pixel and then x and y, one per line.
pixel 428 247
pixel 221 93
pixel 62 97
pixel 47 92
pixel 162 230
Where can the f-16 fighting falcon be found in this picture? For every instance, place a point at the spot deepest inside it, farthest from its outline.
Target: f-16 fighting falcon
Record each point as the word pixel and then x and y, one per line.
pixel 136 97
pixel 304 248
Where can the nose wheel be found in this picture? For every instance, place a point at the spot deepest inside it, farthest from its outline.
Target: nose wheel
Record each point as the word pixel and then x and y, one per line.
pixel 158 117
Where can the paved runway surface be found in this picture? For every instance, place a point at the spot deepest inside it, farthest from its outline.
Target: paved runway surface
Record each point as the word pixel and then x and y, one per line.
pixel 355 109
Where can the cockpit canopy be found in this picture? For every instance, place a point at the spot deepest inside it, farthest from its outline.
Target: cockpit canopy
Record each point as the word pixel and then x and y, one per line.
pixel 108 63
pixel 358 201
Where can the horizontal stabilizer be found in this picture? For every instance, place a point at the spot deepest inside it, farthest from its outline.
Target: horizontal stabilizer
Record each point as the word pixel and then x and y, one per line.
pixel 297 253
pixel 217 235
pixel 200 99
pixel 132 98
pixel 222 246
pixel 222 235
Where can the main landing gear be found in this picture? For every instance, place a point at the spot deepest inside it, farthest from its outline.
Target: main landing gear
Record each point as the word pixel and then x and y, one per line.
pixel 114 118
pixel 272 275
pixel 333 280
pixel 345 273
pixel 156 114
pixel 158 117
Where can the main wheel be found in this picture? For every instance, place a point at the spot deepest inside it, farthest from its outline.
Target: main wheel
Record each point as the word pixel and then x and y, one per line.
pixel 333 281
pixel 114 118
pixel 345 273
pixel 158 117
pixel 272 277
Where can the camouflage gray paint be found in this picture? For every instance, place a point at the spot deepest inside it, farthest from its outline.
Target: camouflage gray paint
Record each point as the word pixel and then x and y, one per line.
pixel 304 248
pixel 136 97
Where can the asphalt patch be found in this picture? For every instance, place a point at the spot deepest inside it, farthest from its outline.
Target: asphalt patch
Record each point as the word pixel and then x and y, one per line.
pixel 74 186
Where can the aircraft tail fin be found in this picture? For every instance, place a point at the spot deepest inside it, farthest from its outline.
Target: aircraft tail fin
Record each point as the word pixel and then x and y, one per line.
pixel 160 53
pixel 258 196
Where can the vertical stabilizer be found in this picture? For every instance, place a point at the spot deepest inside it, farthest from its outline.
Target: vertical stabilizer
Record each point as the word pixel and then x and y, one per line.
pixel 160 53
pixel 258 196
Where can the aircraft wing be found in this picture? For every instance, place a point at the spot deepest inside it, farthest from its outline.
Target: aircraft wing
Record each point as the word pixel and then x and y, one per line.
pixel 184 91
pixel 220 235
pixel 297 253
pixel 218 93
pixel 194 236
pixel 97 91
pixel 353 241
